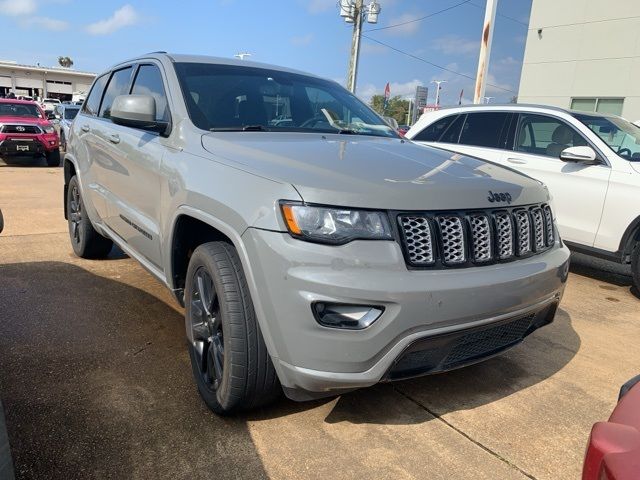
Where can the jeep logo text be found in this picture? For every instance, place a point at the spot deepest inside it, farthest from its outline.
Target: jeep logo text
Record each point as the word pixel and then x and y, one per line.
pixel 499 197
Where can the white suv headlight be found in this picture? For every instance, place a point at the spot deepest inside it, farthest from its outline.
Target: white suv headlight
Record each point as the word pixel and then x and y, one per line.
pixel 48 129
pixel 335 225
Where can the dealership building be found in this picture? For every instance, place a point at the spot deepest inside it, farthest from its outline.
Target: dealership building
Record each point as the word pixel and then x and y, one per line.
pixel 585 55
pixel 42 82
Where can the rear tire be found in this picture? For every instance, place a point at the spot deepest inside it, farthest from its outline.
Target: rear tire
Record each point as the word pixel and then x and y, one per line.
pixel 230 362
pixel 635 266
pixel 53 158
pixel 85 240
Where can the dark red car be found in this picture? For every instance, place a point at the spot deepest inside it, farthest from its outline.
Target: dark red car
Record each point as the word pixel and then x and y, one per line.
pixel 613 452
pixel 25 130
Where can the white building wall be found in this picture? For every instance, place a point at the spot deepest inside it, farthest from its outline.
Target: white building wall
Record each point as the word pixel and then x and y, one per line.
pixel 583 48
pixel 22 77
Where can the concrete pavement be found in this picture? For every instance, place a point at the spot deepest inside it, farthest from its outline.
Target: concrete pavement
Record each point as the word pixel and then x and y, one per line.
pixel 96 383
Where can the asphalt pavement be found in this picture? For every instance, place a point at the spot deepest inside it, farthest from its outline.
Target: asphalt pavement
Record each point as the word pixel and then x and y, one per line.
pixel 96 383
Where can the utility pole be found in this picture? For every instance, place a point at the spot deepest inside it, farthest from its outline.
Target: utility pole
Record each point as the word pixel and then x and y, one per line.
pixel 355 47
pixel 485 51
pixel 438 82
pixel 353 11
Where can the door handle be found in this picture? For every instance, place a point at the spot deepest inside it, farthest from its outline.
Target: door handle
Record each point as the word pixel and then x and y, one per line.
pixel 115 138
pixel 84 128
pixel 519 161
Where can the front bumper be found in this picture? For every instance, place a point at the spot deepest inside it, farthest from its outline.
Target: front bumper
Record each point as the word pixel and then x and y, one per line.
pixel 28 144
pixel 312 360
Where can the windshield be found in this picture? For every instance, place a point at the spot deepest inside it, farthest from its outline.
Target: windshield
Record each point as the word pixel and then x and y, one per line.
pixel 621 136
pixel 70 113
pixel 236 98
pixel 19 110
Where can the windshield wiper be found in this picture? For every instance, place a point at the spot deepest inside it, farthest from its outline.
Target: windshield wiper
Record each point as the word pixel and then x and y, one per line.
pixel 246 128
pixel 347 131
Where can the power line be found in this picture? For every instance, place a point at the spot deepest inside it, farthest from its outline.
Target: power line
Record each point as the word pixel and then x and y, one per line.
pixel 433 64
pixel 421 18
pixel 502 15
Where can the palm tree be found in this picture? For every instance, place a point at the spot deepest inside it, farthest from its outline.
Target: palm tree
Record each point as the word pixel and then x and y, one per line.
pixel 65 62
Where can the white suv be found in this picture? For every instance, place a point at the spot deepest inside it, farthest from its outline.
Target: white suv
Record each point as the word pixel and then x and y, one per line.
pixel 589 161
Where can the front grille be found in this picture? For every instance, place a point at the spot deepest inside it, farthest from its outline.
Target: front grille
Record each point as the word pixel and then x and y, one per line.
pixel 29 129
pixel 464 238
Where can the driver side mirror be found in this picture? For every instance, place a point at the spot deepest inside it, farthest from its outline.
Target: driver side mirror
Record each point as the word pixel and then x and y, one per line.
pixel 51 116
pixel 585 155
pixel 137 111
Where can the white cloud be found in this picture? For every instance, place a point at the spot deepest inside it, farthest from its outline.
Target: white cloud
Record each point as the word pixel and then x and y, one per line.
pixel 404 28
pixel 47 23
pixel 302 40
pixel 373 48
pixel 123 17
pixel 455 45
pixel 16 8
pixel 499 88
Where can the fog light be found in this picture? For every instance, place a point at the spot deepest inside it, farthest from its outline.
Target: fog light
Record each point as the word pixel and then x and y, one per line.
pixel 350 317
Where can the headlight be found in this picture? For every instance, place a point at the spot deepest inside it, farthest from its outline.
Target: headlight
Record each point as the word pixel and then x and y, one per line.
pixel 335 225
pixel 48 129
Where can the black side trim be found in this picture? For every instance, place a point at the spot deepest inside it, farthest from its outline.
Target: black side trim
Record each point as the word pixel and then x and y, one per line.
pixel 617 257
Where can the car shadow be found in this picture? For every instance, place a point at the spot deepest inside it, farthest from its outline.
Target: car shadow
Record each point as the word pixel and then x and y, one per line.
pixel 540 356
pixel 24 161
pixel 603 271
pixel 96 381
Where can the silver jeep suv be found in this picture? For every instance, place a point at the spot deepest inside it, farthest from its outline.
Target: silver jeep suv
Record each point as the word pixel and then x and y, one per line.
pixel 314 250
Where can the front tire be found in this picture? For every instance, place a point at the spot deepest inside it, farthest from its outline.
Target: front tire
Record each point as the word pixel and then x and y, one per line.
pixel 85 240
pixel 53 158
pixel 230 362
pixel 635 266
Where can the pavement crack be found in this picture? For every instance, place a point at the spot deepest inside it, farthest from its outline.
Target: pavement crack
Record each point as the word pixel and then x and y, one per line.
pixel 465 435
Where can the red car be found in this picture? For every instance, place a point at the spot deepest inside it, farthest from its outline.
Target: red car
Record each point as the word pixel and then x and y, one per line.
pixel 613 452
pixel 25 130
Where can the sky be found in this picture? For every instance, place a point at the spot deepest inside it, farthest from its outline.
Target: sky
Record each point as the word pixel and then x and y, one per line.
pixel 308 35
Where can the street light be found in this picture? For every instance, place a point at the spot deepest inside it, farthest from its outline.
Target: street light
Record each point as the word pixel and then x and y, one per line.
pixel 242 55
pixel 354 11
pixel 438 82
pixel 488 99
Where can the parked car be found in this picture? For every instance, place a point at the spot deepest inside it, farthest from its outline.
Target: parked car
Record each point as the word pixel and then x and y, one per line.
pixel 613 451
pixel 324 255
pixel 64 115
pixel 589 161
pixel 25 130
pixel 48 104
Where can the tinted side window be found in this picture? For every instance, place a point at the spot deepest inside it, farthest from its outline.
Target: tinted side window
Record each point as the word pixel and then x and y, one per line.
pixel 452 134
pixel 485 129
pixel 118 85
pixel 92 103
pixel 433 132
pixel 149 82
pixel 547 136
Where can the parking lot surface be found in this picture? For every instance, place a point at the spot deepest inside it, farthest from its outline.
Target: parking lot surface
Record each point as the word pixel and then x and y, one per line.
pixel 96 383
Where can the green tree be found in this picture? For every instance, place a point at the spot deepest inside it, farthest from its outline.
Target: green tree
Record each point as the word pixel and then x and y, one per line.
pixel 396 108
pixel 65 62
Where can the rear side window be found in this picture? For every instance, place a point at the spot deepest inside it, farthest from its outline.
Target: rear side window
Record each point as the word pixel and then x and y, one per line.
pixel 118 85
pixel 485 129
pixel 92 103
pixel 149 82
pixel 433 132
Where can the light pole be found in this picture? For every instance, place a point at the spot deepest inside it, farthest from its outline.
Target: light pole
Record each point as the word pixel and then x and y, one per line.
pixel 242 55
pixel 438 82
pixel 353 11
pixel 488 99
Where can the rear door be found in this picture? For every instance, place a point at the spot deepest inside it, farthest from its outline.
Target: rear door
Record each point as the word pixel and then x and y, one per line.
pixel 133 177
pixel 578 190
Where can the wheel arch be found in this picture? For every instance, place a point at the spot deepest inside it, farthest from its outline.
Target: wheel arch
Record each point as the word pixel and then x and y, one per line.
pixel 630 237
pixel 69 171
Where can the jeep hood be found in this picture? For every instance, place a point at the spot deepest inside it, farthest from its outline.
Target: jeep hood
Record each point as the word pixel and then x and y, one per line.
pixel 373 172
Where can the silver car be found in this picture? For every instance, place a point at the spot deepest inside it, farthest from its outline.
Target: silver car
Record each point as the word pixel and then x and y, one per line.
pixel 320 252
pixel 62 118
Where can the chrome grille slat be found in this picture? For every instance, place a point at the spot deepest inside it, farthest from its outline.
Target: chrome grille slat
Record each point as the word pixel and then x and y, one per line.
pixel 538 229
pixel 548 225
pixel 504 227
pixel 418 239
pixel 523 232
pixel 481 238
pixel 461 238
pixel 452 236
